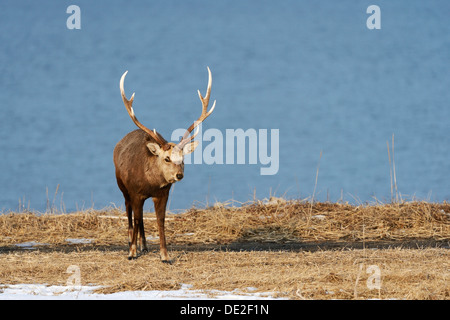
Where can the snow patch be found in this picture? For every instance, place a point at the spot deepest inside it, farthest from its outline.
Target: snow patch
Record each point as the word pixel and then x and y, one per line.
pixel 45 292
pixel 79 240
pixel 30 245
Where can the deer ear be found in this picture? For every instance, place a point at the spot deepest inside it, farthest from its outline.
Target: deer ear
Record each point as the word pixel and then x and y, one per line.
pixel 190 147
pixel 154 148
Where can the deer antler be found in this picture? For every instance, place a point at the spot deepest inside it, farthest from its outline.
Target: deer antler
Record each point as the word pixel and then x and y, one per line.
pixel 205 114
pixel 129 106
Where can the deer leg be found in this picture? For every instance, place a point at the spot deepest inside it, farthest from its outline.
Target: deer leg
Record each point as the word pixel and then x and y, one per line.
pixel 143 242
pixel 130 220
pixel 160 209
pixel 137 207
pixel 128 208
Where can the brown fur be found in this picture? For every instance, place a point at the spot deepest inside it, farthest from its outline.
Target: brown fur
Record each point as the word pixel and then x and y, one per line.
pixel 147 165
pixel 141 175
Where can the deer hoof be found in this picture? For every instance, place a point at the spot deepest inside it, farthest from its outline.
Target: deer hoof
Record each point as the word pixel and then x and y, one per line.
pixel 132 254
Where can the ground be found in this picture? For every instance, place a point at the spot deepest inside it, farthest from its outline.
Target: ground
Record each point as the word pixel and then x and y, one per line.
pixel 282 249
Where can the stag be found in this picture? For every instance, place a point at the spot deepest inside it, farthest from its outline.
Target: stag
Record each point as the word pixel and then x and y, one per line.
pixel 147 166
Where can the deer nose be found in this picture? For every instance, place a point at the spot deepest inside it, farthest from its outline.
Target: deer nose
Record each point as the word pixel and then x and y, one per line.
pixel 179 176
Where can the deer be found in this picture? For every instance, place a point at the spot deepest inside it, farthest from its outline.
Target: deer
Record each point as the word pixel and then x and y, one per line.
pixel 146 165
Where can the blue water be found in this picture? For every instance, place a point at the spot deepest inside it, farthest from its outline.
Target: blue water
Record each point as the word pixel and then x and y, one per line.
pixel 311 69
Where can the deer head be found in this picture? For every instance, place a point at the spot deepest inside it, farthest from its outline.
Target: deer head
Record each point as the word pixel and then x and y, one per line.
pixel 169 155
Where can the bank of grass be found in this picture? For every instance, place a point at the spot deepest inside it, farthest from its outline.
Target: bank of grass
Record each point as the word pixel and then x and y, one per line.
pixel 291 248
pixel 275 221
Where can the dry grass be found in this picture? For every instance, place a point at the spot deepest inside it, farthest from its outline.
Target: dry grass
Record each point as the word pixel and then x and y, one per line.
pixel 336 274
pixel 293 221
pixel 280 221
pixel 258 245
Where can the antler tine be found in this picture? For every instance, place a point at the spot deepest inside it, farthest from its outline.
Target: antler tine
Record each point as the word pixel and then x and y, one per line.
pixel 205 100
pixel 205 113
pixel 129 107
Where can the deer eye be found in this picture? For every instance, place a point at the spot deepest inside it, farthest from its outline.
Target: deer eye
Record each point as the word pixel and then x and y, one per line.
pixel 167 159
